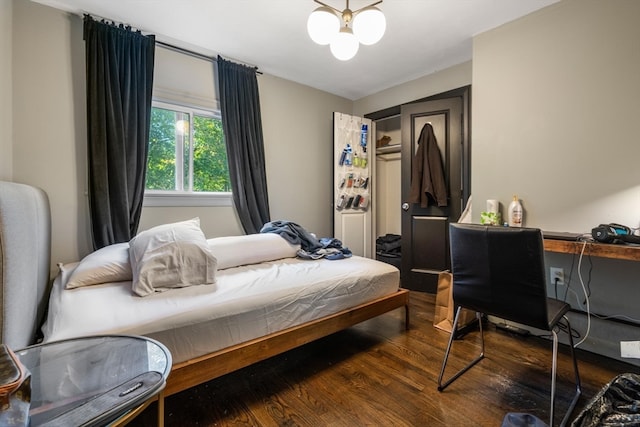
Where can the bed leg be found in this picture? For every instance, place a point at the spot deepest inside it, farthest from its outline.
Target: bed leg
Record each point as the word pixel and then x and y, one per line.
pixel 406 317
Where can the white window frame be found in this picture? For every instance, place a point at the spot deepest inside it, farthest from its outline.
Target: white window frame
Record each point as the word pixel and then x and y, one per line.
pixel 187 197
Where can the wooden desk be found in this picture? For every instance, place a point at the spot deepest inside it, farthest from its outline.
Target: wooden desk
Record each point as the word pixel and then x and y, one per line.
pixel 603 250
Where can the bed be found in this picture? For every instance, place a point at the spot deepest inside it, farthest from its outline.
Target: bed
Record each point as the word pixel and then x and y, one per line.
pixel 269 305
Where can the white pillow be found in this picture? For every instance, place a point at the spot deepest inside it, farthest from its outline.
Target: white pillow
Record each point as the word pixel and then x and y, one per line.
pixel 171 256
pixel 233 251
pixel 108 264
pixel 65 271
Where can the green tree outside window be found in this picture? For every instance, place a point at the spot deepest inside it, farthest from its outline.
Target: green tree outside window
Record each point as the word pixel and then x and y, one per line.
pixel 172 149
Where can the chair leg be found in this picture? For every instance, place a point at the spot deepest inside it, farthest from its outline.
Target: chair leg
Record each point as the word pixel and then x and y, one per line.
pixel 454 329
pixel 554 368
pixel 578 391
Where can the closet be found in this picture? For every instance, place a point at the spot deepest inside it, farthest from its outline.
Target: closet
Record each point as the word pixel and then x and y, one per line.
pixel 387 184
pixel 367 185
pixel 373 212
pixel 423 229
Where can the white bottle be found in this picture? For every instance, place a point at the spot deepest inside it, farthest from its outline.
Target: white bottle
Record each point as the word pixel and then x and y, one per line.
pixel 515 213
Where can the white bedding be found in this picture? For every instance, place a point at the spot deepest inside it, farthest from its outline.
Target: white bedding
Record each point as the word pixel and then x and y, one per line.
pixel 246 302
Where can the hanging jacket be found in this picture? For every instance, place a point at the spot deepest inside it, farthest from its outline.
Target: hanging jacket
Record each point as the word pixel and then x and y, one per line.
pixel 428 183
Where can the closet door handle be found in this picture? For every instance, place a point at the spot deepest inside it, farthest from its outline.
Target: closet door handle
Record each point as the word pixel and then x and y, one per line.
pixel 405 206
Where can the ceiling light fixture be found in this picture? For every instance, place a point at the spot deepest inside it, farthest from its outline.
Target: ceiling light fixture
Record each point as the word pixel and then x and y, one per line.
pixel 366 25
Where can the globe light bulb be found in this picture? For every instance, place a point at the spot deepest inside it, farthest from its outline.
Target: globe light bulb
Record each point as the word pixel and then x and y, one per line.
pixel 369 25
pixel 323 25
pixel 344 45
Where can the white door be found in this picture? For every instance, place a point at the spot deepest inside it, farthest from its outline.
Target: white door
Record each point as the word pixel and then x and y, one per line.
pixel 354 164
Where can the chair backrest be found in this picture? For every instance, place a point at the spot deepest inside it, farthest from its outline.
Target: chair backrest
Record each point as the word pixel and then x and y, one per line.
pixel 500 271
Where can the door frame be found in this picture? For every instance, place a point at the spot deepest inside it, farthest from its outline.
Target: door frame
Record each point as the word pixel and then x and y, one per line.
pixel 464 93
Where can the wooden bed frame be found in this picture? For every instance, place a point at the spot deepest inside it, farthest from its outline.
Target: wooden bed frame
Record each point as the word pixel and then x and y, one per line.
pixel 205 368
pixel 25 227
pixel 191 373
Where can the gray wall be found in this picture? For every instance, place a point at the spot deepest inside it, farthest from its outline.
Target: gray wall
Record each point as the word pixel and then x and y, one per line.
pixel 49 138
pixel 556 101
pixel 6 115
pixel 442 81
pixel 49 131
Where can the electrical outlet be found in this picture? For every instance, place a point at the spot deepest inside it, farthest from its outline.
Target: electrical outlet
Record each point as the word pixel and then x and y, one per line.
pixel 630 349
pixel 556 273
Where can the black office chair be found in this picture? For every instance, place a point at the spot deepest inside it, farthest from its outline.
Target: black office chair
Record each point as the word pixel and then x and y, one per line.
pixel 500 271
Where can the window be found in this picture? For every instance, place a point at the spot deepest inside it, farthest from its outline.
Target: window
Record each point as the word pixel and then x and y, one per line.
pixel 187 161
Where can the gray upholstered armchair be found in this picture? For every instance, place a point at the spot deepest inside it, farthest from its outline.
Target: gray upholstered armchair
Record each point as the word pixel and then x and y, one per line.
pixel 25 252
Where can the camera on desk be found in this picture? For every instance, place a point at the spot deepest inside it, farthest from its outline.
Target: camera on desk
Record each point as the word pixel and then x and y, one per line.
pixel 614 233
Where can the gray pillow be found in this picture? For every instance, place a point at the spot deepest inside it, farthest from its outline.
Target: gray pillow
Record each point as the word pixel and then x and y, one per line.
pixel 171 256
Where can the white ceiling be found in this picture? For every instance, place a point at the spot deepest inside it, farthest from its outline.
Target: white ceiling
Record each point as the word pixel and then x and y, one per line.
pixel 423 36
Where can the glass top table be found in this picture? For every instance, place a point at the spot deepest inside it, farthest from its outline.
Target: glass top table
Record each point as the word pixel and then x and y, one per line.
pixel 93 380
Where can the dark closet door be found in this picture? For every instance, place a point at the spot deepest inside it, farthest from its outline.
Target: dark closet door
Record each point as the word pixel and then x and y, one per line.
pixel 425 236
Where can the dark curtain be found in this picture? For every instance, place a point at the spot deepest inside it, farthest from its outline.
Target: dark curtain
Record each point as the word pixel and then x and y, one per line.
pixel 242 125
pixel 119 66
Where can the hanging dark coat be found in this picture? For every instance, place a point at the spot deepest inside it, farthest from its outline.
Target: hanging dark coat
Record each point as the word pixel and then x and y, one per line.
pixel 428 184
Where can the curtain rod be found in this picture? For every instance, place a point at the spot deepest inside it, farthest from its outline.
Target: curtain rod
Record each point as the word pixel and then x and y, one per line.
pixel 171 46
pixel 194 54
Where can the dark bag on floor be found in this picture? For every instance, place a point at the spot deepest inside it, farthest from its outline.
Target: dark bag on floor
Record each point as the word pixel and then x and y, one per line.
pixel 15 389
pixel 389 243
pixel 617 404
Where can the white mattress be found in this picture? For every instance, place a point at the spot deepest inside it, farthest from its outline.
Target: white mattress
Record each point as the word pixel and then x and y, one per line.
pixel 245 303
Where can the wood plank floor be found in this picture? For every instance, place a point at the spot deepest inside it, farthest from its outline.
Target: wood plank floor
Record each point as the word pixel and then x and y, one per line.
pixel 378 374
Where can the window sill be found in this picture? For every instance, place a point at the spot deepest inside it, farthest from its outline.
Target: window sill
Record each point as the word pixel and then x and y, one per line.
pixel 157 199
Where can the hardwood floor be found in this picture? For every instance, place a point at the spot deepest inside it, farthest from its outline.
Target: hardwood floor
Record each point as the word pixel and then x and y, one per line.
pixel 378 374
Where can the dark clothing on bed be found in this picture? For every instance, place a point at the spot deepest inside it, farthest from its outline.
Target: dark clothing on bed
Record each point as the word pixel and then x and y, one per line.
pixel 331 249
pixel 310 246
pixel 293 233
